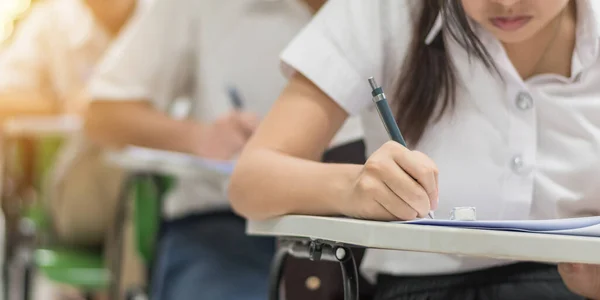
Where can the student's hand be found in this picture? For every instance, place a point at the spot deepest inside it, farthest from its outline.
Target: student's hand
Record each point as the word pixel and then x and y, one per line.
pixel 226 137
pixel 395 184
pixel 582 279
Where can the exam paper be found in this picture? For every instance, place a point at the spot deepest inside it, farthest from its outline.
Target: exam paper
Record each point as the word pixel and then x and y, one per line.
pixel 160 158
pixel 587 226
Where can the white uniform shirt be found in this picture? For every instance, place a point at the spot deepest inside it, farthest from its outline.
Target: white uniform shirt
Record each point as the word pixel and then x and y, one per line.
pixel 519 150
pixel 196 49
pixel 54 52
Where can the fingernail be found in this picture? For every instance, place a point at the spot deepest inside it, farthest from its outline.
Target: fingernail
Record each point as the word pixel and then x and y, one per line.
pixel 436 203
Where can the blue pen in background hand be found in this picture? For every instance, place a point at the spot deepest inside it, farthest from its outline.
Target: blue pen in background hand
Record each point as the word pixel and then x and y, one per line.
pixel 387 117
pixel 235 97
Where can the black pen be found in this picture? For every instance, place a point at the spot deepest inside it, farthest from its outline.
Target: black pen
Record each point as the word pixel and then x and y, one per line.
pixel 236 99
pixel 387 117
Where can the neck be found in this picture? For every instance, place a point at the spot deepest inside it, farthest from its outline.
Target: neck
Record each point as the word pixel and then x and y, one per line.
pixel 112 14
pixel 314 5
pixel 550 51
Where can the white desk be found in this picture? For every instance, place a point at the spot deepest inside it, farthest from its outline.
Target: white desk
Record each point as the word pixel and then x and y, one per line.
pixel 384 235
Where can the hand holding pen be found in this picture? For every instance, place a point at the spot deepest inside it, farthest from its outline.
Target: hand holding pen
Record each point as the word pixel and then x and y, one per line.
pixel 392 128
pixel 395 183
pixel 224 138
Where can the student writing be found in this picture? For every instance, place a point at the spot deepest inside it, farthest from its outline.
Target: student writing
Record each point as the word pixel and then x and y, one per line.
pixel 194 50
pixel 500 106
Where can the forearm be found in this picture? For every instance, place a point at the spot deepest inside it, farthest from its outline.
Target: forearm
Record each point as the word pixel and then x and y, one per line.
pixel 139 124
pixel 25 103
pixel 268 184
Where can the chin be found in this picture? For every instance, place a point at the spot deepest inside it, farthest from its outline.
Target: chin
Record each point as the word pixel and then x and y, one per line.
pixel 514 37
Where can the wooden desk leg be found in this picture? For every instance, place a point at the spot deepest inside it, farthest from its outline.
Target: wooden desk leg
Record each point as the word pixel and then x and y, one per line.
pixel 316 250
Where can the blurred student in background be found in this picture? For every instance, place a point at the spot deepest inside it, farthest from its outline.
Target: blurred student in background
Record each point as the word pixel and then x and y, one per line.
pixel 198 50
pixel 46 67
pixel 45 71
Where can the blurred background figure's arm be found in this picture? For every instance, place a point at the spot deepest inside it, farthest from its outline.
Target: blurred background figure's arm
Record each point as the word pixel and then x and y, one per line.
pixel 120 122
pixel 24 84
pixel 17 103
pixel 127 108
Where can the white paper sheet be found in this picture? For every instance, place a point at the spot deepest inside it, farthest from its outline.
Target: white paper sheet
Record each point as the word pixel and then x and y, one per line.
pixel 588 226
pixel 179 160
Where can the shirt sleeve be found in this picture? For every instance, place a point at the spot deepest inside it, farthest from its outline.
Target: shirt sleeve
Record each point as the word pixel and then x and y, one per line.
pixel 151 52
pixel 344 45
pixel 23 64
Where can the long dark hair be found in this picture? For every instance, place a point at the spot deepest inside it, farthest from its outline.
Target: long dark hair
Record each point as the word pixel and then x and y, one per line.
pixel 428 74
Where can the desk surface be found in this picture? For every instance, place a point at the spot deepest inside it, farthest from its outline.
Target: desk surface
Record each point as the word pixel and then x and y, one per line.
pixel 472 242
pixel 43 126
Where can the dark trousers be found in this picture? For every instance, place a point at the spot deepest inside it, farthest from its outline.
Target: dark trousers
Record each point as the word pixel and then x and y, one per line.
pixel 210 257
pixel 522 281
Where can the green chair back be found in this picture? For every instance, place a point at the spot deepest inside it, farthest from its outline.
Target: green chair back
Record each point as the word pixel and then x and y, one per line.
pixel 149 191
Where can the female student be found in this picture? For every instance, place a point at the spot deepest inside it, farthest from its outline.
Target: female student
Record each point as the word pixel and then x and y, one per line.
pixel 497 100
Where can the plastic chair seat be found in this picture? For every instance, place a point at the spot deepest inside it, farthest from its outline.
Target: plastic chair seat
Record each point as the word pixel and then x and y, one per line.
pixel 81 269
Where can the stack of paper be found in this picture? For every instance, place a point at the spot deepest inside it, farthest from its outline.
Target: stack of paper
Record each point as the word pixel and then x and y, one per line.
pixel 159 160
pixel 588 226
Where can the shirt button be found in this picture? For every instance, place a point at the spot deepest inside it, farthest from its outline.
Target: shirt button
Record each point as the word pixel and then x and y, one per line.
pixel 518 164
pixel 524 101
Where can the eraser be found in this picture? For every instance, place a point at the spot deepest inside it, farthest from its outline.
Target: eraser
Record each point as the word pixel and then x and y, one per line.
pixel 463 214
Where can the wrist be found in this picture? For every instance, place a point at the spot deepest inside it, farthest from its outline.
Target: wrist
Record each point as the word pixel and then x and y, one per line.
pixel 339 196
pixel 193 133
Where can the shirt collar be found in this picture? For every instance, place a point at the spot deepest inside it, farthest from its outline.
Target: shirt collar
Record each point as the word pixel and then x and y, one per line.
pixel 587 44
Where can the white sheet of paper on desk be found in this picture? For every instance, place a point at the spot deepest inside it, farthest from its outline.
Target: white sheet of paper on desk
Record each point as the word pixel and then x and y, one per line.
pixel 182 160
pixel 588 226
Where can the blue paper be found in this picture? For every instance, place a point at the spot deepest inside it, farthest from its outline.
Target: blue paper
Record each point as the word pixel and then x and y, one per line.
pixel 587 226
